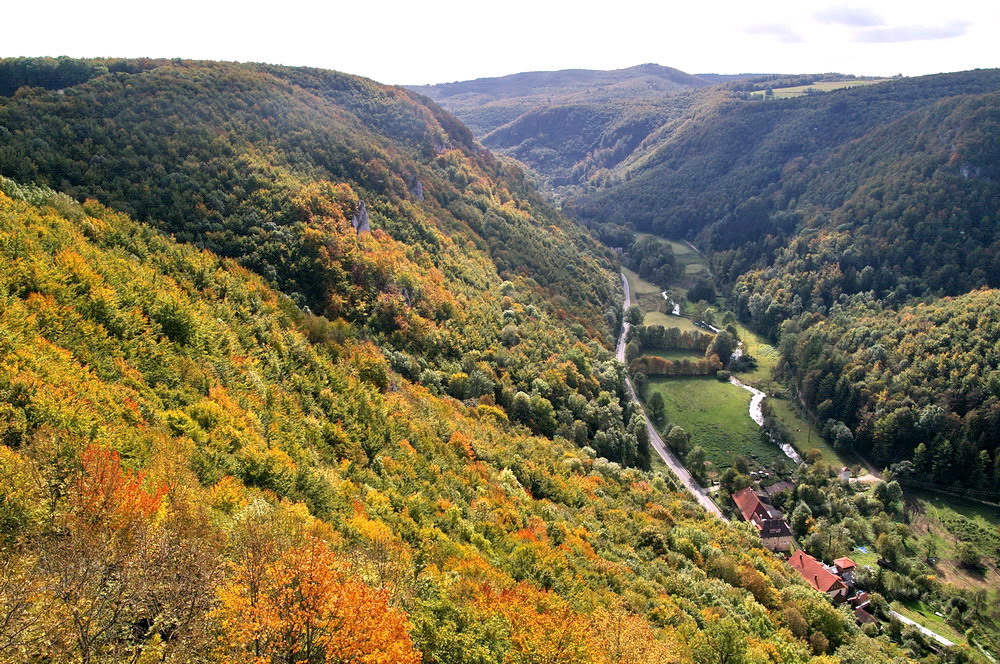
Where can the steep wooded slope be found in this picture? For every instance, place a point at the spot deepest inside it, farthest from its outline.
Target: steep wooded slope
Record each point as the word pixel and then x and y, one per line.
pixel 468 280
pixel 192 469
pixel 698 170
pixel 824 207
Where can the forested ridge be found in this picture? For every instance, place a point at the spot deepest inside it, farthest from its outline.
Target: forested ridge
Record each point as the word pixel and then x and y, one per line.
pixel 571 126
pixel 277 166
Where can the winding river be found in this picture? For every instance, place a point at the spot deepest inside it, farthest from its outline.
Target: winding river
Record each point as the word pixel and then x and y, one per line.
pixel 757 415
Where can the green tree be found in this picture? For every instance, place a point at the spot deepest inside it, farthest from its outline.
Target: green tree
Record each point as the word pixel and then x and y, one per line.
pixel 657 409
pixel 723 641
pixel 801 516
pixel 678 440
pixel 968 555
pixel 641 384
pixel 695 462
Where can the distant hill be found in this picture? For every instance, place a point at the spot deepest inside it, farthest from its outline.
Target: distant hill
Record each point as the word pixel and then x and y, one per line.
pixel 487 103
pixel 692 172
pixel 569 124
pixel 716 79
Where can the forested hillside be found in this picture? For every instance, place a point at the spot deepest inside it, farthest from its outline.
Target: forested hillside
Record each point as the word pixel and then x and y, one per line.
pixel 921 383
pixel 363 205
pixel 701 171
pixel 292 370
pixel 193 469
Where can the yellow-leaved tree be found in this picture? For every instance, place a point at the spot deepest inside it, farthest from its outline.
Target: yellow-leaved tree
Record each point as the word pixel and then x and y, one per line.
pixel 302 607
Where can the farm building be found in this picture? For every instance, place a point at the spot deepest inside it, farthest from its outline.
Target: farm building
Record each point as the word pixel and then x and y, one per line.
pixel 770 523
pixel 778 487
pixel 818 575
pixel 845 567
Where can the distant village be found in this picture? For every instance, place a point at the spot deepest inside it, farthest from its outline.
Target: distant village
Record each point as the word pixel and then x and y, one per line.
pixel 836 581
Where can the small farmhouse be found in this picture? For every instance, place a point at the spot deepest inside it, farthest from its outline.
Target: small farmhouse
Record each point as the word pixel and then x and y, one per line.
pixel 845 567
pixel 818 576
pixel 770 523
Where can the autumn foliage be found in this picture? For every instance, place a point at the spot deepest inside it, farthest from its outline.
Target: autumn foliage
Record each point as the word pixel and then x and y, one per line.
pixel 110 497
pixel 304 608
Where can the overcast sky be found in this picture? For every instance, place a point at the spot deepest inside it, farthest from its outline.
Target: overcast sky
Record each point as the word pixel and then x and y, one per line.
pixel 447 40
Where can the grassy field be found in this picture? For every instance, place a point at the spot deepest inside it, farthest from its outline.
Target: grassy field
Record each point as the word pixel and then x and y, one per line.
pixel 666 320
pixel 647 296
pixel 919 612
pixel 822 86
pixel 767 358
pixel 639 286
pixel 690 264
pixel 804 435
pixel 945 522
pixel 675 354
pixel 717 417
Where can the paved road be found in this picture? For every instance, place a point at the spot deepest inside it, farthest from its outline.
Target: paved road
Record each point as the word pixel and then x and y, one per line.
pixel 923 630
pixel 654 437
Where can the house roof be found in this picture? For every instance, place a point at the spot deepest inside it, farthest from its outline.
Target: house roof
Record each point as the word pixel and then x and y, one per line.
pixel 777 488
pixel 844 563
pixel 815 574
pixel 863 616
pixel 772 528
pixel 749 503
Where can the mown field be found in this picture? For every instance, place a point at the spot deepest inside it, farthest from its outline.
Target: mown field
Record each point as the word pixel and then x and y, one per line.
pixel 717 416
pixel 648 296
pixel 919 612
pixel 675 354
pixel 805 436
pixel 767 358
pixel 820 86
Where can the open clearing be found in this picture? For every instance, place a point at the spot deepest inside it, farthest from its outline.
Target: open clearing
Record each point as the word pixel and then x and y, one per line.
pixel 647 296
pixel 804 435
pixel 945 522
pixel 919 612
pixel 767 358
pixel 820 86
pixel 716 414
pixel 675 354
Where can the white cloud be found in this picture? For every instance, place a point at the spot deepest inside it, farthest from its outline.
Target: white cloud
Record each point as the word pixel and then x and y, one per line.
pixel 858 17
pixel 784 33
pixel 908 33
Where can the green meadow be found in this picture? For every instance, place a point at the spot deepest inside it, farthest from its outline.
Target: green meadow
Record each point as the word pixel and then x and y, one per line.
pixel 717 416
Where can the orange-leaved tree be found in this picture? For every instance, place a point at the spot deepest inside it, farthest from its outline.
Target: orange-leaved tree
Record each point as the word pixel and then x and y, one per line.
pixel 305 609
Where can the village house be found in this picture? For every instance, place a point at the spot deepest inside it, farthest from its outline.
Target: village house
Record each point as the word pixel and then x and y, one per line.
pixel 845 568
pixel 860 603
pixel 778 487
pixel 770 523
pixel 819 576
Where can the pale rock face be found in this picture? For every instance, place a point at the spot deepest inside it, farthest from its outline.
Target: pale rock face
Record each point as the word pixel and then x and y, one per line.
pixel 417 189
pixel 360 220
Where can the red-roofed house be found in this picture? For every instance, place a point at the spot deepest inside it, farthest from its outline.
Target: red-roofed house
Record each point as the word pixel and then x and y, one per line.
pixel 845 566
pixel 818 576
pixel 770 523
